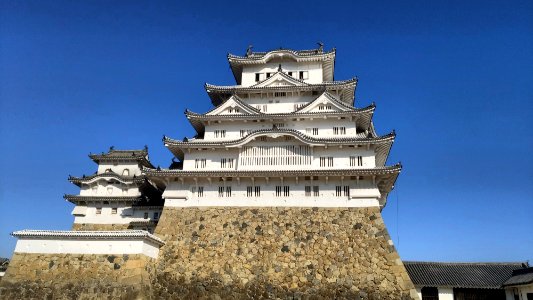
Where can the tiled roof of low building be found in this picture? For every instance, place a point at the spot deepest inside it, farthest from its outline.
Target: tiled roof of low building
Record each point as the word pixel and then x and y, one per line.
pixel 91 235
pixel 460 275
pixel 520 277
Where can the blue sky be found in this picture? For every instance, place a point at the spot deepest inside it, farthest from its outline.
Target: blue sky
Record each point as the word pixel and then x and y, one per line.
pixel 454 78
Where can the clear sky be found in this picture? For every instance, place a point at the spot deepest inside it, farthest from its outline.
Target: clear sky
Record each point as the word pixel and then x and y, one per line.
pixel 454 78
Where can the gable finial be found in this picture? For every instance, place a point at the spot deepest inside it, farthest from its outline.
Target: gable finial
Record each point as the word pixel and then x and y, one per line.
pixel 249 50
pixel 279 68
pixel 145 147
pixel 320 47
pixel 111 148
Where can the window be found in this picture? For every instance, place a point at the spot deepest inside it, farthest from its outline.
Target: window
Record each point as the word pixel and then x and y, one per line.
pixel 303 75
pixel 244 132
pixel 339 130
pixel 338 191
pixel 200 163
pixel 108 170
pixel 311 131
pixel 226 163
pixel 430 293
pixel 126 172
pixel 326 161
pixel 146 215
pixel 346 191
pixel 200 191
pixel 221 191
pixel 297 106
pixel 324 107
pixel 258 191
pixel 289 73
pixel 228 191
pixel 249 191
pixel 113 210
pixel 279 125
pixel 354 159
pixel 98 210
pixel 280 94
pixel 282 190
pixel 308 191
pixel 263 138
pixel 220 133
pixel 257 77
pixel 316 191
pixel 269 74
pixel 275 155
pixel 156 216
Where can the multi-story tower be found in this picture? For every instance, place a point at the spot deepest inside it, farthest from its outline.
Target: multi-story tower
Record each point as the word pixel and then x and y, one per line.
pixel 117 195
pixel 286 135
pixel 282 172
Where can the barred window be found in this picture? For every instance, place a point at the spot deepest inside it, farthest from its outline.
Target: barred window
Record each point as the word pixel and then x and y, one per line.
pixel 275 155
pixel 282 191
pixel 316 191
pixel 226 163
pixel 311 131
pixel 220 191
pixel 356 160
pixel 346 191
pixel 280 94
pixel 228 191
pixel 249 190
pixel 200 163
pixel 339 130
pixel 200 191
pixel 308 191
pixel 220 133
pixel 258 191
pixel 338 191
pixel 326 161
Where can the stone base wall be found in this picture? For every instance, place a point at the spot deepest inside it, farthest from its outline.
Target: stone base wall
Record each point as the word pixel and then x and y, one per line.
pixel 287 253
pixel 104 227
pixel 70 276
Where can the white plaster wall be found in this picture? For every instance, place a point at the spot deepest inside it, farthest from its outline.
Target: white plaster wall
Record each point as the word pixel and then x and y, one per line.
pixel 445 293
pixel 119 168
pixel 521 291
pixel 341 157
pixel 124 215
pixel 362 194
pixel 325 127
pixel 287 65
pixel 102 187
pixel 86 246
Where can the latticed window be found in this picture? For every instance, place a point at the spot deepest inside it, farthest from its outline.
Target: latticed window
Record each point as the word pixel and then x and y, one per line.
pixel 200 163
pixel 280 94
pixel 346 191
pixel 257 191
pixel 275 155
pixel 249 191
pixel 220 133
pixel 338 191
pixel 228 191
pixel 316 191
pixel 311 131
pixel 356 161
pixel 308 191
pixel 326 161
pixel 200 191
pixel 324 107
pixel 226 163
pixel 221 191
pixel 282 191
pixel 339 130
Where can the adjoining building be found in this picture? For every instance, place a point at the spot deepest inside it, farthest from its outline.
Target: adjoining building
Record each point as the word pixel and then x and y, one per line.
pixel 279 194
pixel 471 281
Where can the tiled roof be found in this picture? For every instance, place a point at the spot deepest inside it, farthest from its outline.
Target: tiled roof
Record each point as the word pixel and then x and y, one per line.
pixel 123 155
pixel 77 198
pixel 520 276
pixel 460 275
pixel 92 235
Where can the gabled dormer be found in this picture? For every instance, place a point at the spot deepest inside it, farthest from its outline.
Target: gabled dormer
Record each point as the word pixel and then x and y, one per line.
pixel 279 79
pixel 324 103
pixel 233 106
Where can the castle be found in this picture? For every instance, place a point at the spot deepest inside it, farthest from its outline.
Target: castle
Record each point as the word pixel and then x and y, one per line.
pixel 278 195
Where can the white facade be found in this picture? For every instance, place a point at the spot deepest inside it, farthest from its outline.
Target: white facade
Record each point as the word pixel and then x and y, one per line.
pixel 88 242
pixel 281 123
